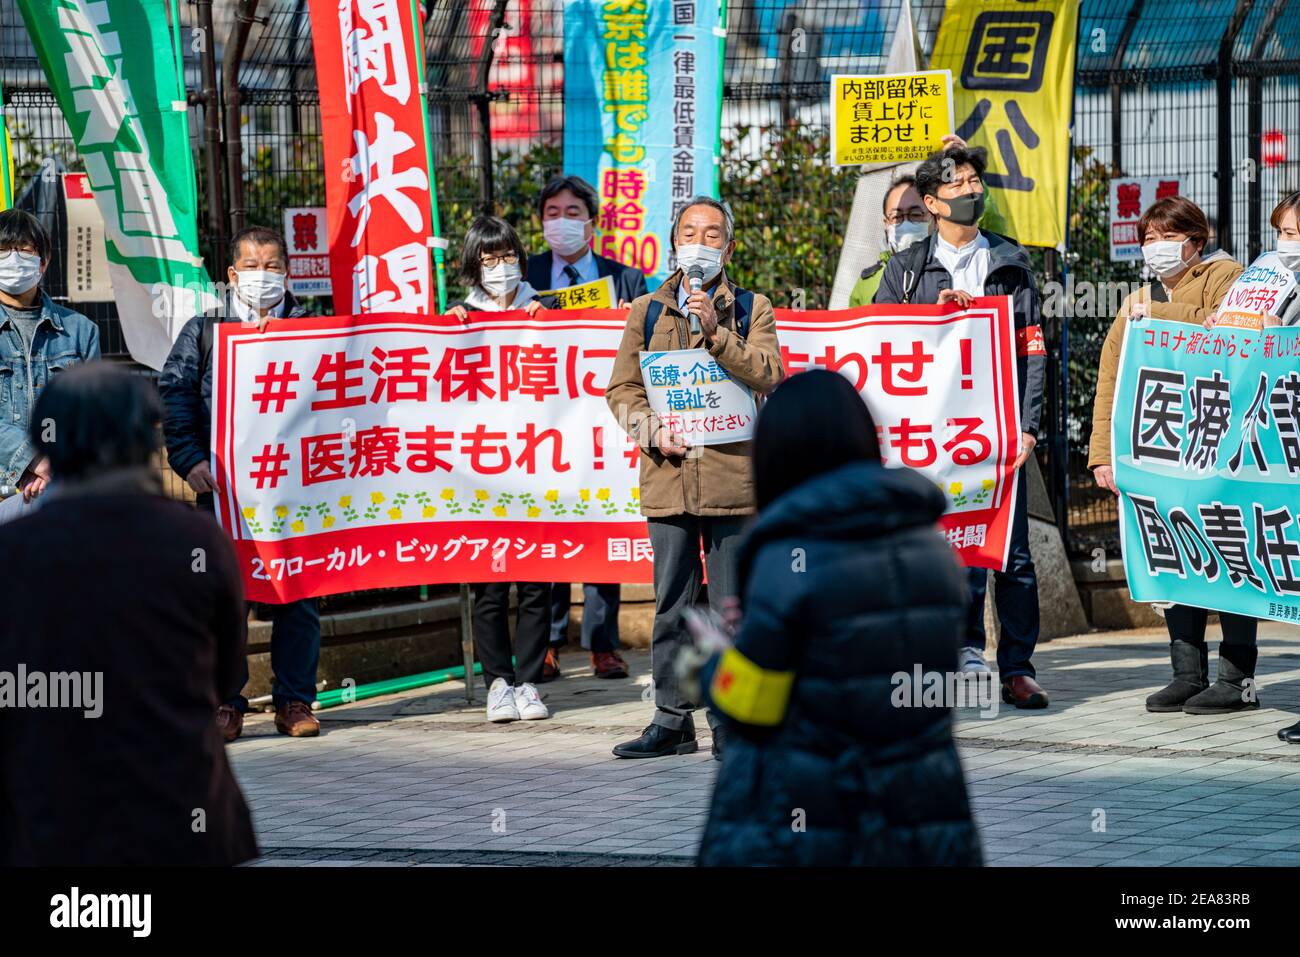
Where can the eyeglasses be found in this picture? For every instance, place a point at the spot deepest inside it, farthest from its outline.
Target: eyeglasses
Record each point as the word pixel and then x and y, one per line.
pixel 912 216
pixel 510 259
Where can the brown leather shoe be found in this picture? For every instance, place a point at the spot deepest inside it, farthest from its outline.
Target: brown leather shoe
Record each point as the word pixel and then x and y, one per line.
pixel 231 722
pixel 296 720
pixel 551 664
pixel 1024 692
pixel 608 664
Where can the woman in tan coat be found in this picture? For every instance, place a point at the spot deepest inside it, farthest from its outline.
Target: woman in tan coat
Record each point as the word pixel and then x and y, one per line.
pixel 1173 234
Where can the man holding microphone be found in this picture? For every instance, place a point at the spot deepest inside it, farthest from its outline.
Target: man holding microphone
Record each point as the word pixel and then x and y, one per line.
pixel 693 497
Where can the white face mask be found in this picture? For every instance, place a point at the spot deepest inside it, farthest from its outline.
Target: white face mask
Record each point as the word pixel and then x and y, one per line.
pixel 500 279
pixel 707 258
pixel 1165 258
pixel 259 288
pixel 904 234
pixel 1288 250
pixel 565 236
pixel 19 272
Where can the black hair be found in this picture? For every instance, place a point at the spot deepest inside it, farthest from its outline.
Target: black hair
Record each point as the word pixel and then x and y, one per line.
pixel 490 235
pixel 939 167
pixel 904 180
pixel 20 228
pixel 258 236
pixel 576 185
pixel 813 423
pixel 96 417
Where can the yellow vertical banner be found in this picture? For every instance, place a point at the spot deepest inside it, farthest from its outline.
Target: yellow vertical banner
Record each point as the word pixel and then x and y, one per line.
pixel 6 160
pixel 1012 63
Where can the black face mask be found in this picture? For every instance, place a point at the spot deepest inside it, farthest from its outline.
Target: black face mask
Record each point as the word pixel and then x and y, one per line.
pixel 966 209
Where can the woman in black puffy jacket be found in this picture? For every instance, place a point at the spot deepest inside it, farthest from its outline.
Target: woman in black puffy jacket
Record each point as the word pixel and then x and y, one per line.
pixel 846 583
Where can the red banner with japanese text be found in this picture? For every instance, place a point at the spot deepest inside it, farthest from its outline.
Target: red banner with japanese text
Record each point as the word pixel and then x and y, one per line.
pixel 387 450
pixel 377 166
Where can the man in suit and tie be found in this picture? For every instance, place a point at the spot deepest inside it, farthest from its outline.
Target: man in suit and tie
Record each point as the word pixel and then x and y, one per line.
pixel 568 207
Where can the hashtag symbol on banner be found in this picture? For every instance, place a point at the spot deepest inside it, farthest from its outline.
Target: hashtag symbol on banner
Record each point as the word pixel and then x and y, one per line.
pixel 275 387
pixel 270 466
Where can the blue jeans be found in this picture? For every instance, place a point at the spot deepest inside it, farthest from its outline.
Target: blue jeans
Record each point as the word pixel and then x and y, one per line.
pixel 295 647
pixel 1016 597
pixel 599 616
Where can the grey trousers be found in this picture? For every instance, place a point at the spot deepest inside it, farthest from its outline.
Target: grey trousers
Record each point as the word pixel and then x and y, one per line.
pixel 678 577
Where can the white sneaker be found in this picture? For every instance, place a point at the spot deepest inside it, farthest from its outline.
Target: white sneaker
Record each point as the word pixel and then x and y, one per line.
pixel 501 702
pixel 529 703
pixel 971 662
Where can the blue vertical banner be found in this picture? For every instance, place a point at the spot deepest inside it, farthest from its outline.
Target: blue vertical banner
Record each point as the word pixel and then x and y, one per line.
pixel 642 115
pixel 1206 446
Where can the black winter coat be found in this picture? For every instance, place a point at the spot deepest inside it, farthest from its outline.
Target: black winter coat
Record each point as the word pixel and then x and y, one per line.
pixel 112 586
pixel 916 270
pixel 185 385
pixel 845 582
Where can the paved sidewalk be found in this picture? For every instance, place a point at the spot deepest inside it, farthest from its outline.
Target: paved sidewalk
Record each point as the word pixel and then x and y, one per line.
pixel 420 779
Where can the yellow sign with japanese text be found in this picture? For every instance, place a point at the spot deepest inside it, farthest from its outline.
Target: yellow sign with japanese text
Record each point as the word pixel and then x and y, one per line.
pixel 588 295
pixel 891 118
pixel 1013 64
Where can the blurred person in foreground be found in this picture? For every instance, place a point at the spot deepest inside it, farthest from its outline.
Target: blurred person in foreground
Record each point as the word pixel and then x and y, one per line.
pixel 1189 287
pixel 124 755
pixel 37 340
pixel 847 584
pixel 256 296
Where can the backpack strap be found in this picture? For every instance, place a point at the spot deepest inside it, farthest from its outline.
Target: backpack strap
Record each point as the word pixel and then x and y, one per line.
pixel 651 317
pixel 205 344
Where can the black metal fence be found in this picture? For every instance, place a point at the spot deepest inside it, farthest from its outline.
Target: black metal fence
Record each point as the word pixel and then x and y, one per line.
pixel 1192 90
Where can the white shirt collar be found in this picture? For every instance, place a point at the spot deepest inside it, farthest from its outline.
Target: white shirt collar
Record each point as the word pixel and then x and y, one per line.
pixel 480 301
pixel 979 242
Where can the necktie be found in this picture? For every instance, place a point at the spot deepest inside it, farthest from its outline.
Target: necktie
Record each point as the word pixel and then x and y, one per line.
pixel 572 273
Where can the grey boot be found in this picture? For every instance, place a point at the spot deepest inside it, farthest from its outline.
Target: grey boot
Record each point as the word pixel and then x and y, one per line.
pixel 1191 676
pixel 1235 688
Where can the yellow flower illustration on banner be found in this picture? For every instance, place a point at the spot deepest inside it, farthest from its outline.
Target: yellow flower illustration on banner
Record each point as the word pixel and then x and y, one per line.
pixel 499 511
pixel 481 495
pixel 552 496
pixel 988 484
pixel 376 497
pixel 955 488
pixel 281 511
pixel 534 511
pixel 636 494
pixel 394 513
pixel 250 513
pixel 603 494
pixel 298 526
pixel 327 521
pixel 448 494
pixel 345 501
pixel 429 511
pixel 585 494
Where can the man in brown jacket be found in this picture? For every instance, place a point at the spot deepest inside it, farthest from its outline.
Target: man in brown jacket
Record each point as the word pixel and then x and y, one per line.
pixel 691 494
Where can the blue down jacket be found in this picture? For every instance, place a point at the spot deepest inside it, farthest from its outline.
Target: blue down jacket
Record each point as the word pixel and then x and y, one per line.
pixel 846 582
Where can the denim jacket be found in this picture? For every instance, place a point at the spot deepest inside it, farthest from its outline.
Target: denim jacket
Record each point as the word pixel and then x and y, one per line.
pixel 63 338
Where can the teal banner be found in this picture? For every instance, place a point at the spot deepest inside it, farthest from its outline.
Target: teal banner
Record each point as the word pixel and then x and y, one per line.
pixel 1206 440
pixel 642 113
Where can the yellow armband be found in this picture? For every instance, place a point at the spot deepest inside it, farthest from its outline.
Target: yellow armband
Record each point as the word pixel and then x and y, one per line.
pixel 748 693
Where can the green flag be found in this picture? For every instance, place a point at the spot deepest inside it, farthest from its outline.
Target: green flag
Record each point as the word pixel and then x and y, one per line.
pixel 113 67
pixel 6 160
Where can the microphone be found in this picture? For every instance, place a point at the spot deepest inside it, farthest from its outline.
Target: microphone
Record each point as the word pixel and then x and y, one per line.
pixel 696 276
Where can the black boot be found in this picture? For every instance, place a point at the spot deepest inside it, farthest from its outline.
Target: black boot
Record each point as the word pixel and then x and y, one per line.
pixel 1235 688
pixel 1191 676
pixel 1290 735
pixel 656 741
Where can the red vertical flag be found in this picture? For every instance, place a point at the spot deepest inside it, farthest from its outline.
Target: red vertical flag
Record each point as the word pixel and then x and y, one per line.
pixel 378 178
